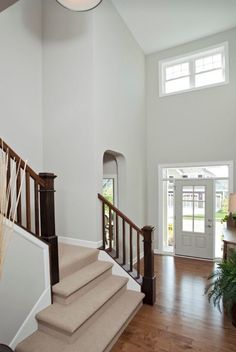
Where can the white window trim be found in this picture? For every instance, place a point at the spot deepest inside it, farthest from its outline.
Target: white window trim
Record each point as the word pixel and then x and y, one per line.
pixel 185 57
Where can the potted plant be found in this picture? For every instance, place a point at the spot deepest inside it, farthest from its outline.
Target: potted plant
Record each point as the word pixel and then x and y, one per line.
pixel 222 288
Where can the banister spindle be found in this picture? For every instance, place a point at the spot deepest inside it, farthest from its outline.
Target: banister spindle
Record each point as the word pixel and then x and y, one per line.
pixel 103 225
pixel 110 230
pixel 36 206
pixel 18 184
pixel 8 182
pixel 131 248
pixel 149 279
pixel 123 238
pixel 27 194
pixel 117 236
pixel 138 253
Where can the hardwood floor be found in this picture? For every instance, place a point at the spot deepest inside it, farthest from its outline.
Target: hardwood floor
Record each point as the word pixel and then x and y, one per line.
pixel 182 319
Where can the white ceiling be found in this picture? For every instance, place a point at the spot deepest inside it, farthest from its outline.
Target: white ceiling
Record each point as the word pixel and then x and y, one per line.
pixel 162 24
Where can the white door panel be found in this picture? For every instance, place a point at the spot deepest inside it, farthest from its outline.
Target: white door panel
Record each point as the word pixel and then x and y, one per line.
pixel 194 215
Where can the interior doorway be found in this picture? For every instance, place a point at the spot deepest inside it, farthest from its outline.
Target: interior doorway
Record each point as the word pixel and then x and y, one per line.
pixel 113 189
pixel 172 217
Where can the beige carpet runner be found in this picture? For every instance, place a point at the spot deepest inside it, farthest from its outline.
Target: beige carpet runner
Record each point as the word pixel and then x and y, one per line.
pixel 91 306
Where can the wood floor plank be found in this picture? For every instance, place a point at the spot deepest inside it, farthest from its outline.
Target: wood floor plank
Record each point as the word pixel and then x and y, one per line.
pixel 182 319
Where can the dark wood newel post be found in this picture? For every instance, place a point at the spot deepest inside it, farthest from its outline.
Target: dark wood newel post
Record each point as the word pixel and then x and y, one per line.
pixel 48 230
pixel 149 278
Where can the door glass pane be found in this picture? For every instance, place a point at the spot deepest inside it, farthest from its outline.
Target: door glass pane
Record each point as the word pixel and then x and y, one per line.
pixel 199 193
pixel 187 192
pixel 199 208
pixel 199 216
pixel 187 217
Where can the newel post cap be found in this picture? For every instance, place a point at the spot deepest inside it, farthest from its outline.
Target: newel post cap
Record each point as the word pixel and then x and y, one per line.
pixel 47 175
pixel 148 228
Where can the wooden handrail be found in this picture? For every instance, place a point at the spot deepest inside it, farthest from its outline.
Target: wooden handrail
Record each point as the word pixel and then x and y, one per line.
pixel 34 213
pixel 14 156
pixel 119 213
pixel 112 240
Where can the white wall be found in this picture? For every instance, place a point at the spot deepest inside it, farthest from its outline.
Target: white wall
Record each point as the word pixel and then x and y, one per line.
pixel 93 100
pixel 109 165
pixel 190 127
pixel 119 107
pixel 67 117
pixel 20 83
pixel 24 280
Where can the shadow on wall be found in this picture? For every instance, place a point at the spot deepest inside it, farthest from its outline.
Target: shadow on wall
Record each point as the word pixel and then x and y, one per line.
pixel 114 164
pixel 58 23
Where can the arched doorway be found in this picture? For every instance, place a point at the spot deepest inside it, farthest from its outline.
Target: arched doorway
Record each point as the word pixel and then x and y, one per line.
pixel 114 178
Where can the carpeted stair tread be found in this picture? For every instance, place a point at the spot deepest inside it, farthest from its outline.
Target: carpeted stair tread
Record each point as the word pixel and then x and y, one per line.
pixel 81 278
pixel 97 337
pixel 40 342
pixel 73 258
pixel 69 318
pixel 108 325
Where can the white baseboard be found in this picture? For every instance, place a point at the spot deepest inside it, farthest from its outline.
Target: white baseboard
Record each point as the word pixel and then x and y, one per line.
pixel 119 271
pixel 171 254
pixel 193 258
pixel 30 324
pixel 158 251
pixel 77 242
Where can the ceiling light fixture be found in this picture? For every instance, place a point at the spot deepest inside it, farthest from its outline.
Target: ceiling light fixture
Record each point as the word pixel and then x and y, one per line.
pixel 79 5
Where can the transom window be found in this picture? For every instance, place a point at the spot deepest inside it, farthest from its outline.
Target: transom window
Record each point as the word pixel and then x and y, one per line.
pixel 194 71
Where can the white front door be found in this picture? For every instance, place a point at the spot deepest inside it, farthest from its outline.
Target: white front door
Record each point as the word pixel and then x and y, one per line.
pixel 194 218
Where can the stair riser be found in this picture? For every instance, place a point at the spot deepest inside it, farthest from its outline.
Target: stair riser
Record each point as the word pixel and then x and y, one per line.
pixel 83 290
pixel 73 267
pixel 70 338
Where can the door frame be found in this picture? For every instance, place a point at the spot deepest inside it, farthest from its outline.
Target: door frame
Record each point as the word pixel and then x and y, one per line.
pixel 159 239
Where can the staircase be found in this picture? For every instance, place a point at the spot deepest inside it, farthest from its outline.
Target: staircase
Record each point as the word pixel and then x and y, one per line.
pixel 91 306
